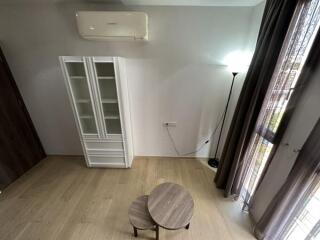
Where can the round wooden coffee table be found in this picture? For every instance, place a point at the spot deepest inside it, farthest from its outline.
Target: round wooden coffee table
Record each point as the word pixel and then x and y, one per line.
pixel 139 216
pixel 171 206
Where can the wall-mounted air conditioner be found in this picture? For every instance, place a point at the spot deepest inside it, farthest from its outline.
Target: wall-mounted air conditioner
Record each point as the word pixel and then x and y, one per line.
pixel 112 25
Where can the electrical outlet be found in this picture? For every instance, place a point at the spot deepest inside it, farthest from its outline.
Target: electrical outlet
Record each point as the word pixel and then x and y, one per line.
pixel 170 124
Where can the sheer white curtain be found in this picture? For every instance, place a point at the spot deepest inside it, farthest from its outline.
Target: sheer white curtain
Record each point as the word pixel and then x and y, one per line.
pixel 299 39
pixel 306 224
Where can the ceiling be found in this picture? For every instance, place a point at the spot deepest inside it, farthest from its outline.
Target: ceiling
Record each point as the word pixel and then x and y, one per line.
pixel 192 2
pixel 153 2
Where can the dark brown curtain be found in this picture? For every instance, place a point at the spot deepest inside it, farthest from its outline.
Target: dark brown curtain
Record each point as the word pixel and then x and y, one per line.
pixel 20 147
pixel 275 23
pixel 303 178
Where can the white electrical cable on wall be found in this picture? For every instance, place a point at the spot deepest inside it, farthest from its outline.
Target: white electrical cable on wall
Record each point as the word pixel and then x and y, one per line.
pixel 199 148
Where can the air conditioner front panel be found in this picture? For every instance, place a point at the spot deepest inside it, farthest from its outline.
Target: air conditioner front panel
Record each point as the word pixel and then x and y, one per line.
pixel 112 25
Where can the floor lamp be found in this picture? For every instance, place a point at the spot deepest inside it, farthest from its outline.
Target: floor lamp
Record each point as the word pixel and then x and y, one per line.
pixel 214 162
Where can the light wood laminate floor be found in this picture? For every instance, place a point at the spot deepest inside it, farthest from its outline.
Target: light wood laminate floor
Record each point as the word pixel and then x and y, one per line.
pixel 62 199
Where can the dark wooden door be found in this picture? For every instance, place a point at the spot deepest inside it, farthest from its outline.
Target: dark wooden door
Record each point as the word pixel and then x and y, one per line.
pixel 20 147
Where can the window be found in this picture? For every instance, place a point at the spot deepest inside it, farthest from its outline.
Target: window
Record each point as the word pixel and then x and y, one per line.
pixel 285 77
pixel 306 225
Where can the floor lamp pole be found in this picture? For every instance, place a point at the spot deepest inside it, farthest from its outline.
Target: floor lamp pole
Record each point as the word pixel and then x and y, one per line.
pixel 214 162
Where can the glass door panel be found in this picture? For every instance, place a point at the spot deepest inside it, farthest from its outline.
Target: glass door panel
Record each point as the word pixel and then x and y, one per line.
pixel 109 99
pixel 110 109
pixel 108 89
pixel 81 94
pixel 113 126
pixel 105 69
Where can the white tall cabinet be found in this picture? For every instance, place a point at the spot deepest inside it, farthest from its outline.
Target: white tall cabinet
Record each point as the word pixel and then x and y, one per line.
pixel 98 91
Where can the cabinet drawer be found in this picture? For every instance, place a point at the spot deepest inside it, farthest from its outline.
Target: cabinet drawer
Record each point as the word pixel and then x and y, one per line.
pixel 117 145
pixel 106 160
pixel 106 153
pixel 114 137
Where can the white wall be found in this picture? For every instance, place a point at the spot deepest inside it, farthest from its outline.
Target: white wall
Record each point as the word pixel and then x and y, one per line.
pixel 303 120
pixel 253 30
pixel 176 76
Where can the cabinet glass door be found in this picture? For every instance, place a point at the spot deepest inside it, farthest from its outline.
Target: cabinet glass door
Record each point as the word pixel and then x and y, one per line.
pixel 108 92
pixel 81 94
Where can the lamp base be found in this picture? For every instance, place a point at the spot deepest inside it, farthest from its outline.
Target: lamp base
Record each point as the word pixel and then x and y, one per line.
pixel 213 162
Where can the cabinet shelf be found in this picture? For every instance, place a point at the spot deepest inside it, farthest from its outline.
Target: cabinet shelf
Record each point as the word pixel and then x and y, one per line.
pixel 112 117
pixel 77 77
pixel 86 116
pixel 106 77
pixel 109 100
pixel 83 100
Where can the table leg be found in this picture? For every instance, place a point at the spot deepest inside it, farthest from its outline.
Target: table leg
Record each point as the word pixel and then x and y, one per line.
pixel 157 232
pixel 187 227
pixel 135 231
